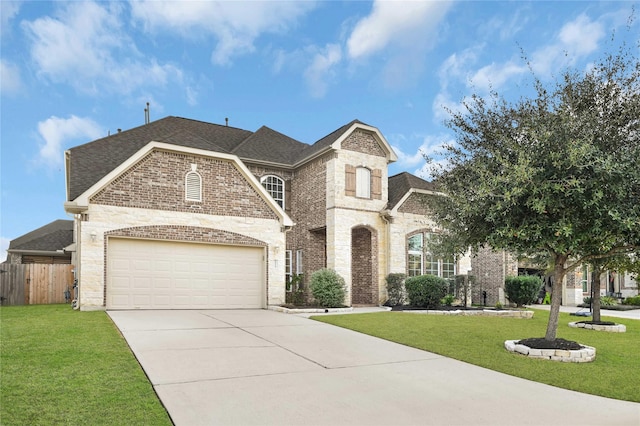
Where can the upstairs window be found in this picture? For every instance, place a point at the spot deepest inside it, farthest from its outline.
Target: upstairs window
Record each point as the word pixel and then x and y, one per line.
pixel 193 185
pixel 363 182
pixel 275 187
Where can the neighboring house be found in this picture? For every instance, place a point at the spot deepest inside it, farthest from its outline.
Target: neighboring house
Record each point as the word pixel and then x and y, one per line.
pixel 50 244
pixel 183 214
pixel 491 267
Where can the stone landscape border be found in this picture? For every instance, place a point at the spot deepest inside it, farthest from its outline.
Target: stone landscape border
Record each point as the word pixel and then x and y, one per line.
pixel 485 312
pixel 616 328
pixel 586 354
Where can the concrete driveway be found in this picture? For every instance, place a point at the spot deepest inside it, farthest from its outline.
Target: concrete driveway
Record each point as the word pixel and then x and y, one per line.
pixel 259 367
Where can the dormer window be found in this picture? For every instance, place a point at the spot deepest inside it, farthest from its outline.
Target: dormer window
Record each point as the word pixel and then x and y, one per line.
pixel 193 185
pixel 275 187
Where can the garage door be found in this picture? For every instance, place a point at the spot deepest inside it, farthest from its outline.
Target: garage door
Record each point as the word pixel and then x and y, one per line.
pixel 144 274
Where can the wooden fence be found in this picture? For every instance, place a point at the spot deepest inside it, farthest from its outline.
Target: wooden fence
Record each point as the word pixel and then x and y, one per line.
pixel 35 284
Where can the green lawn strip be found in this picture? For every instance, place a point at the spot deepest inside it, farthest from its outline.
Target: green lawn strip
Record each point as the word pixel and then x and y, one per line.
pixel 480 341
pixel 60 366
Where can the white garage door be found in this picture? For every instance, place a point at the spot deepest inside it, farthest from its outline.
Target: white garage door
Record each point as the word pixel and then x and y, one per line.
pixel 144 274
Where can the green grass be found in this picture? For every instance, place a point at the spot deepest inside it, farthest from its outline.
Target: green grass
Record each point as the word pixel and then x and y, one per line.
pixel 480 341
pixel 59 366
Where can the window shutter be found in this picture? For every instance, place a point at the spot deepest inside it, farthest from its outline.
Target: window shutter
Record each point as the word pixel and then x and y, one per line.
pixel 350 181
pixel 193 187
pixel 287 197
pixel 376 184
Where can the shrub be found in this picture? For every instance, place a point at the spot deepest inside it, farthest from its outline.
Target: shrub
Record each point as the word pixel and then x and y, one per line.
pixel 522 289
pixel 608 301
pixel 448 300
pixel 635 300
pixel 328 288
pixel 395 289
pixel 426 291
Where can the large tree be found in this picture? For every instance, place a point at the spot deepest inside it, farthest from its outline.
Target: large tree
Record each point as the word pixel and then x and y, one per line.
pixel 555 173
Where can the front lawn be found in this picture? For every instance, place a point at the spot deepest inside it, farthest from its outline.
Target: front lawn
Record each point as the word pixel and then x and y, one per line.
pixel 60 366
pixel 480 341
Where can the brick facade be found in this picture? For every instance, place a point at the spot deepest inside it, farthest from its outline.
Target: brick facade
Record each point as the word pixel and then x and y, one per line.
pixel 490 269
pixel 157 182
pixel 364 261
pixel 363 142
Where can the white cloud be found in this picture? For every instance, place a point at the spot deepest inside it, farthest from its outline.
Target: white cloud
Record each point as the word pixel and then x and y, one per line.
pixel 495 75
pixel 431 146
pixel 10 81
pixel 322 69
pixel 85 47
pixel 404 23
pixel 55 131
pixel 236 25
pixel 576 39
pixel 4 245
pixel 8 11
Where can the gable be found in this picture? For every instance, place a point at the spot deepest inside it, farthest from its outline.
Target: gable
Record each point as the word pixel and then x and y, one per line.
pixel 157 182
pixel 415 203
pixel 363 142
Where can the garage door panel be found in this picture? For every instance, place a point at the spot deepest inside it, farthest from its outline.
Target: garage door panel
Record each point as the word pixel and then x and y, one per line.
pixel 145 274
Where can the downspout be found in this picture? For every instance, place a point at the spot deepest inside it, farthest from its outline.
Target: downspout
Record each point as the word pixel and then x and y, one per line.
pixel 78 275
pixel 387 219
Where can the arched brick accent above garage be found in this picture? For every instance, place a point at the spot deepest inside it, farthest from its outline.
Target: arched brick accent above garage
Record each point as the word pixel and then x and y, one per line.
pixel 186 234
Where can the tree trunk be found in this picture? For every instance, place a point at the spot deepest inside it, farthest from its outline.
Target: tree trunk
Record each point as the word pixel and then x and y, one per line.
pixel 595 294
pixel 556 296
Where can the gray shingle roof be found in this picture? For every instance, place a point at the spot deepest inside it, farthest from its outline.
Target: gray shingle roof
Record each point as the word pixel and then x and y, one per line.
pixel 268 145
pixel 401 183
pixel 94 160
pixel 51 237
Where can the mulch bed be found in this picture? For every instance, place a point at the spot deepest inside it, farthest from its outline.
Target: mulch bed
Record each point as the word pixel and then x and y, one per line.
pixel 597 322
pixel 542 343
pixel 441 308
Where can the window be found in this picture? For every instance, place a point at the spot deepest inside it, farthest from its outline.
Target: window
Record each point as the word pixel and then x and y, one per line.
pixel 363 182
pixel 275 187
pixel 287 265
pixel 421 262
pixel 299 262
pixel 585 278
pixel 193 185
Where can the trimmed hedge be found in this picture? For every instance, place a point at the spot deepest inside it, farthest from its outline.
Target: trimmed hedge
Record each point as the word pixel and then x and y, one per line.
pixel 522 289
pixel 328 288
pixel 426 291
pixel 635 300
pixel 395 289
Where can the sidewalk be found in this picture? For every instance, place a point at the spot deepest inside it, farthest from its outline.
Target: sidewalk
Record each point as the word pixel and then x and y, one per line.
pixel 633 314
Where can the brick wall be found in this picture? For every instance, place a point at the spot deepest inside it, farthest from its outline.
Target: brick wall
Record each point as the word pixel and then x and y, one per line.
pixel 308 212
pixel 490 269
pixel 364 259
pixel 157 182
pixel 416 204
pixel 364 142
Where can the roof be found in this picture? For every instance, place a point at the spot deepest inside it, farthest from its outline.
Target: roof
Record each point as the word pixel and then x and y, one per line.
pixel 401 183
pixel 52 237
pixel 89 163
pixel 94 160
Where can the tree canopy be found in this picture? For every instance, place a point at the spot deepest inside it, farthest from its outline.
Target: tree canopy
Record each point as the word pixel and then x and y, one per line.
pixel 556 173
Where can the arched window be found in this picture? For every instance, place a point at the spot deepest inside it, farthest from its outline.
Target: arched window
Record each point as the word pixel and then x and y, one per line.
pixel 363 182
pixel 275 187
pixel 193 185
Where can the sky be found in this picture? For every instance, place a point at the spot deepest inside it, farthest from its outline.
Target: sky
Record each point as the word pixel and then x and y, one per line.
pixel 73 72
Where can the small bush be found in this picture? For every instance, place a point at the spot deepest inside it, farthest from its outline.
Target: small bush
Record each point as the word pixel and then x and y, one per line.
pixel 426 291
pixel 395 289
pixel 522 289
pixel 608 301
pixel 448 300
pixel 635 300
pixel 328 288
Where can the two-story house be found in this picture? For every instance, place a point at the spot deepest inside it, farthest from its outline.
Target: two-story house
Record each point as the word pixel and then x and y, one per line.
pixel 183 214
